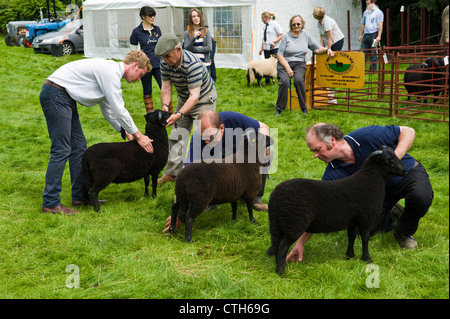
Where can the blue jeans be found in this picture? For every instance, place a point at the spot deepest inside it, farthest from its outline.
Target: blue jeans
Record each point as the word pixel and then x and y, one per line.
pixel 68 143
pixel 366 44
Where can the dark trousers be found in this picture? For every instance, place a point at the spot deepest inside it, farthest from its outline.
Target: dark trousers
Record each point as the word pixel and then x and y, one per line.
pixel 338 45
pixel 417 191
pixel 284 82
pixel 68 143
pixel 366 44
pixel 147 80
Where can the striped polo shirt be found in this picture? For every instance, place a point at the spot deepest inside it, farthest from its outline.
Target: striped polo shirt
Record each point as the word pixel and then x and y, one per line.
pixel 190 74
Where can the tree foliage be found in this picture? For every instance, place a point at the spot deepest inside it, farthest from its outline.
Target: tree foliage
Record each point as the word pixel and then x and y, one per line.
pixel 16 10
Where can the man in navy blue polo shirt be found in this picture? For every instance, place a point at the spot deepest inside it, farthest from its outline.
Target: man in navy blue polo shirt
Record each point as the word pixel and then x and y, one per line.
pixel 346 154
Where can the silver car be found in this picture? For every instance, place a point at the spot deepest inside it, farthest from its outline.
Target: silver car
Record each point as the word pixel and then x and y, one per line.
pixel 72 40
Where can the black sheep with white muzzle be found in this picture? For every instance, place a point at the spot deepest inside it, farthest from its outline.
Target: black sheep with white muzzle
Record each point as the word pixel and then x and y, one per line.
pixel 302 205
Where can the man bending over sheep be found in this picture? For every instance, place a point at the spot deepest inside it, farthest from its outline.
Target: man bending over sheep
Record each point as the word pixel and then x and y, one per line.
pixel 216 137
pixel 345 155
pixel 88 82
pixel 195 93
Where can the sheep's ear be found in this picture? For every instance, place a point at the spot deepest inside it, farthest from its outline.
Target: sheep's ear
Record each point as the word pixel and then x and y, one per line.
pixel 376 153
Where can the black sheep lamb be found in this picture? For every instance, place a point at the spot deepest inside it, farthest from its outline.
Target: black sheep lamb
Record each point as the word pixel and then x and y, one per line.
pixel 200 185
pixel 301 205
pixel 126 162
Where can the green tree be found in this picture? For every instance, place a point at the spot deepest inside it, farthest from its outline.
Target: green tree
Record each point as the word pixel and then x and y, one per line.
pixel 15 10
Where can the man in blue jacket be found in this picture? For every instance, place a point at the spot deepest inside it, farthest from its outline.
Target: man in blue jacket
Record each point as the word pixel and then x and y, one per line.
pixel 346 154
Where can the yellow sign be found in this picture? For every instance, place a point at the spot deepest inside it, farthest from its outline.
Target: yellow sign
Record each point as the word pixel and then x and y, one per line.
pixel 344 70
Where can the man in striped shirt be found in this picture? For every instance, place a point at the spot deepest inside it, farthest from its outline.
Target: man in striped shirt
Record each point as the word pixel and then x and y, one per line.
pixel 195 94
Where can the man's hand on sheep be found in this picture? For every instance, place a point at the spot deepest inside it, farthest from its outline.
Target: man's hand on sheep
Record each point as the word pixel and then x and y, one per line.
pixel 143 140
pixel 167 225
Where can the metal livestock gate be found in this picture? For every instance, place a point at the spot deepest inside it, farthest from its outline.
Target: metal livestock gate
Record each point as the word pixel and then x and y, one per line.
pixel 384 92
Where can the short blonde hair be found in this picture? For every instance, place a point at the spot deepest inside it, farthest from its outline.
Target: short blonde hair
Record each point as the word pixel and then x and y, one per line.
pixel 319 13
pixel 301 19
pixel 140 57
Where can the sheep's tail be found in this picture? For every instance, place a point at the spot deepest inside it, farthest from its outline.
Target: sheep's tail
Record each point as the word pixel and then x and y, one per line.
pixel 250 75
pixel 181 207
pixel 87 177
pixel 275 231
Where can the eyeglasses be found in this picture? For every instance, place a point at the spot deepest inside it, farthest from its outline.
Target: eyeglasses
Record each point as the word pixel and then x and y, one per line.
pixel 211 137
pixel 296 24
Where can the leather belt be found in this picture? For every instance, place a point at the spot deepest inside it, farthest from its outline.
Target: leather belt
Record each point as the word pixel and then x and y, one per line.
pixel 51 83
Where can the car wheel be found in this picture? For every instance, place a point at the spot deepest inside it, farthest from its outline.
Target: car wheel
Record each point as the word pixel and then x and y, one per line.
pixel 20 40
pixel 9 40
pixel 67 48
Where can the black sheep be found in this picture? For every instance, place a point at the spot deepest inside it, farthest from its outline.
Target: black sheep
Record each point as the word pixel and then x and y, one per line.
pixel 301 205
pixel 200 185
pixel 420 78
pixel 126 162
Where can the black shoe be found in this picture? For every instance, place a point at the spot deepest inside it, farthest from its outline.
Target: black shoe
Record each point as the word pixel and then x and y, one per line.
pixel 305 111
pixel 277 113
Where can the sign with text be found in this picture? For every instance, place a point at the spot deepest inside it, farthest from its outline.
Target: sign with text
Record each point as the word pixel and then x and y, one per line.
pixel 344 70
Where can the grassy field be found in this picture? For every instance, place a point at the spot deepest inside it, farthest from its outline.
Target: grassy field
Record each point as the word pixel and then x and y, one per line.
pixel 122 252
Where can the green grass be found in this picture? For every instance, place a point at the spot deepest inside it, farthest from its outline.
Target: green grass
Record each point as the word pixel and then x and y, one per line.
pixel 122 253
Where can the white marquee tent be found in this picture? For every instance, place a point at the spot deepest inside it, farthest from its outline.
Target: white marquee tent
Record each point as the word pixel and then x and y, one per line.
pixel 235 24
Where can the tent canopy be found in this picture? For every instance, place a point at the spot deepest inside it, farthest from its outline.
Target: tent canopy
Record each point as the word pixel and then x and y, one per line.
pixel 235 24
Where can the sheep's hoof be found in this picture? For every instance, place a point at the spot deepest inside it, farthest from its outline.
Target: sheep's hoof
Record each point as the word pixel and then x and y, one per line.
pixel 367 259
pixel 254 222
pixel 271 251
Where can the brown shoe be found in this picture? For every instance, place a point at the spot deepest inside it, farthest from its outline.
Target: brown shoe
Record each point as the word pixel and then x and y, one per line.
pixel 59 209
pixel 166 178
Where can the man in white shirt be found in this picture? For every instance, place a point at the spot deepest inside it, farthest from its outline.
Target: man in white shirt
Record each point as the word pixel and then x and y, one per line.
pixel 371 30
pixel 88 82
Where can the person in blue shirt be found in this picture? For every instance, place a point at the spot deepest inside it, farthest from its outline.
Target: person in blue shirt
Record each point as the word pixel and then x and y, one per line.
pixel 147 35
pixel 217 136
pixel 345 154
pixel 371 30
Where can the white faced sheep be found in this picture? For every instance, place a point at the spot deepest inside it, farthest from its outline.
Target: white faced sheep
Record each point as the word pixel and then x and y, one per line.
pixel 353 203
pixel 126 162
pixel 200 185
pixel 420 79
pixel 261 68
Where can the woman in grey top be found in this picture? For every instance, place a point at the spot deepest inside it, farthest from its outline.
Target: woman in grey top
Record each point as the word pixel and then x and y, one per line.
pixel 292 62
pixel 330 34
pixel 197 38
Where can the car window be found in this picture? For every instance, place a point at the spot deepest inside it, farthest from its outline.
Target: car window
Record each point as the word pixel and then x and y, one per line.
pixel 75 25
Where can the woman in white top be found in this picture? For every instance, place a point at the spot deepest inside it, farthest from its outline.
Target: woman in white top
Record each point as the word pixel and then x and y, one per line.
pixel 330 34
pixel 272 34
